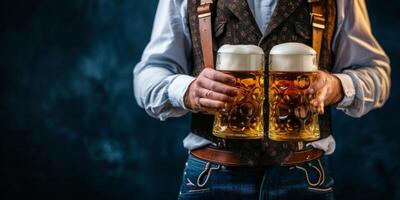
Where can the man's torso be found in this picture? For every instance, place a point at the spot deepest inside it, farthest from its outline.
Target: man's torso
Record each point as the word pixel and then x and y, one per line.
pixel 234 22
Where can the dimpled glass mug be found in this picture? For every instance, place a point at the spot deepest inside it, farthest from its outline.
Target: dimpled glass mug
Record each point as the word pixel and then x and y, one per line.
pixel 242 119
pixel 292 69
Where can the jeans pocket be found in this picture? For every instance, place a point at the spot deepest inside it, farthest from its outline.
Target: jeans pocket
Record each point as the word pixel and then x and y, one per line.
pixel 196 176
pixel 317 176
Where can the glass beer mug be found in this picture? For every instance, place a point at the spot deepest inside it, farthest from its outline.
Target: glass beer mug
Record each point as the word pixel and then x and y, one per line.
pixel 242 119
pixel 292 69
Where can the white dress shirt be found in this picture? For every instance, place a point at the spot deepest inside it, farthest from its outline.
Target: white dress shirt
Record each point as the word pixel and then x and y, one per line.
pixel 162 76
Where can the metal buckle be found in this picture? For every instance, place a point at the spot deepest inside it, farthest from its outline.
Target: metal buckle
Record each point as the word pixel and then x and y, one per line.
pixel 208 1
pixel 317 20
pixel 204 10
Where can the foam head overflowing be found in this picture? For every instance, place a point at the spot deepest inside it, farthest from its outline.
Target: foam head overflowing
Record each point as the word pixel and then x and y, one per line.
pixel 292 57
pixel 240 58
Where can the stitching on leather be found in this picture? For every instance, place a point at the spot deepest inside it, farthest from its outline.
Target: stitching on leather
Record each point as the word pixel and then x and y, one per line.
pixel 321 179
pixel 329 189
pixel 321 174
pixel 189 182
pixel 322 170
pixel 208 170
pixel 307 176
pixel 200 190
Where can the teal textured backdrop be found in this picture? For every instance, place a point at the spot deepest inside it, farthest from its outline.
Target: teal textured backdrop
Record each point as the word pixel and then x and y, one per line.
pixel 70 127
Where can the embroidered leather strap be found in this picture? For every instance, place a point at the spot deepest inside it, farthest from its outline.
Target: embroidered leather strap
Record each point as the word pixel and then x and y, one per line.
pixel 205 31
pixel 318 25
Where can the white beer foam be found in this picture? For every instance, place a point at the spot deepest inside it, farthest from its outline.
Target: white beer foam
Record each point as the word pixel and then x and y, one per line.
pixel 292 56
pixel 240 58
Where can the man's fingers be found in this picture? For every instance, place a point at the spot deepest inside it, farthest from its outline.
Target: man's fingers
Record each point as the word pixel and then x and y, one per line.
pixel 319 105
pixel 209 103
pixel 320 108
pixel 218 87
pixel 319 99
pixel 219 76
pixel 209 111
pixel 204 93
pixel 317 85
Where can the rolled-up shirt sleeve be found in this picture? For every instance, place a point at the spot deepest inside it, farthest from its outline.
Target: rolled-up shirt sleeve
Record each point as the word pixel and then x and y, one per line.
pixel 161 78
pixel 361 64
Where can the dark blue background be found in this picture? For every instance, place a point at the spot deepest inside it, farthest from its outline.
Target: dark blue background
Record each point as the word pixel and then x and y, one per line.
pixel 70 127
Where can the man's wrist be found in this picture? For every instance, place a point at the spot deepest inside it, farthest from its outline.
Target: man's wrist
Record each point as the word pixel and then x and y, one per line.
pixel 187 105
pixel 339 94
pixel 178 88
pixel 186 100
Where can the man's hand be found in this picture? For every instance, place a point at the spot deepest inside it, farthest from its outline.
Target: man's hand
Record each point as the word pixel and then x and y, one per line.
pixel 328 90
pixel 210 91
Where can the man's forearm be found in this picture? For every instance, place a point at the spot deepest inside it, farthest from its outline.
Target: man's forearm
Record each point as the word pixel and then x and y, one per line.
pixel 160 92
pixel 371 90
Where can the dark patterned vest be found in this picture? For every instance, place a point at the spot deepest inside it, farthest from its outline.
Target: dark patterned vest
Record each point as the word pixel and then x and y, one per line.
pixel 233 23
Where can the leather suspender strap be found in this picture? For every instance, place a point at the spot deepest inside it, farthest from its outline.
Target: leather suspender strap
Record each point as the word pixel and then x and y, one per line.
pixel 205 31
pixel 318 25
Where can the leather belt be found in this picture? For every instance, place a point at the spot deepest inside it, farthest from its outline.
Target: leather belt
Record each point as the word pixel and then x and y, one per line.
pixel 229 158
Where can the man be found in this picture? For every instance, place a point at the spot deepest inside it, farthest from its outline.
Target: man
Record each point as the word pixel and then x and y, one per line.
pixel 171 80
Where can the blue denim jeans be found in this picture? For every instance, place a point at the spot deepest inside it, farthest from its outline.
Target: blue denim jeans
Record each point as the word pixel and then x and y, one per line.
pixel 205 180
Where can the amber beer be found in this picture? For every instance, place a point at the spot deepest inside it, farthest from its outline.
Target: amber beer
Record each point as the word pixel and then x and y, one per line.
pixel 292 69
pixel 242 119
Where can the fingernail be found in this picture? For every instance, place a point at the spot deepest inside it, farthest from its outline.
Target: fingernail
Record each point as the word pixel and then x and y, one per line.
pixel 311 90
